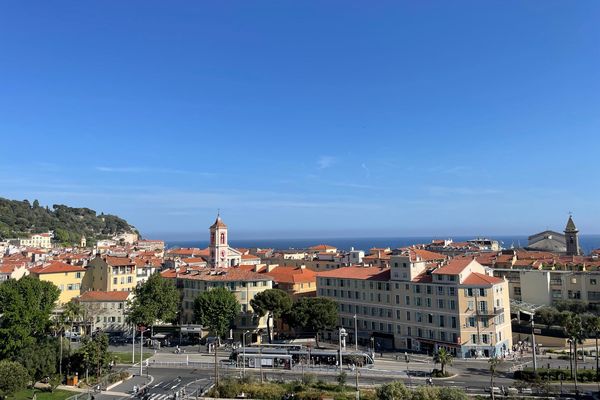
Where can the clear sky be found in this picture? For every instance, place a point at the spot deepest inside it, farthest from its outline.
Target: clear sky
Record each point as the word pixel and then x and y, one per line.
pixel 300 118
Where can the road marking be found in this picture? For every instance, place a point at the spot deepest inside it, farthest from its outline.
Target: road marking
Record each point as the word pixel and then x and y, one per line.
pixel 177 384
pixel 157 385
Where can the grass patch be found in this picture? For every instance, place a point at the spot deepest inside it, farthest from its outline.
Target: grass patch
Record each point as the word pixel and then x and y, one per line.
pixel 125 356
pixel 27 394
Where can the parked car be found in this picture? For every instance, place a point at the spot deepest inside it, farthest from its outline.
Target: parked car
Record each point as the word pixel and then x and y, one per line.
pixel 72 335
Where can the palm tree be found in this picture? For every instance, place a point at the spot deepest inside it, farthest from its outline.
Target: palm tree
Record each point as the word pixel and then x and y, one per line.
pixel 494 364
pixel 592 325
pixel 574 330
pixel 443 357
pixel 71 314
pixel 59 323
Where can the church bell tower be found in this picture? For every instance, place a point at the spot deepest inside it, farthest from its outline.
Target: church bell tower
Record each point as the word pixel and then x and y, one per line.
pixel 219 249
pixel 572 238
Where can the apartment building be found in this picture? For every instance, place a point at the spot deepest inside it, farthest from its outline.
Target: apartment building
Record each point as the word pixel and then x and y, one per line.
pixel 66 277
pixel 244 285
pixel 421 306
pixel 37 240
pixel 108 273
pixel 546 286
pixel 106 311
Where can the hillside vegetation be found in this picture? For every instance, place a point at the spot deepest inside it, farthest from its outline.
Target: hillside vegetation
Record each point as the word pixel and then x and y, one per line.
pixel 20 218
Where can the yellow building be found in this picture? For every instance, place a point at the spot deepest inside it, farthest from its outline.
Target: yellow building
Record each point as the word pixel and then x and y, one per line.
pixel 66 277
pixel 110 273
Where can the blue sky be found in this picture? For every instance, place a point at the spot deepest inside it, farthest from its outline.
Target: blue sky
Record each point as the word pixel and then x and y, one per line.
pixel 298 119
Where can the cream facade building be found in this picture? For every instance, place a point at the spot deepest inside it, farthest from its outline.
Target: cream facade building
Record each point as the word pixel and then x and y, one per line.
pixel 38 240
pixel 416 306
pixel 106 311
pixel 244 285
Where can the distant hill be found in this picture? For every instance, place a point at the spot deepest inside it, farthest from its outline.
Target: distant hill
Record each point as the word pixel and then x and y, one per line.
pixel 20 218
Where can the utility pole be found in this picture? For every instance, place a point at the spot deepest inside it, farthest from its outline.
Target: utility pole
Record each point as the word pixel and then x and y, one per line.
pixel 133 345
pixel 215 345
pixel 355 333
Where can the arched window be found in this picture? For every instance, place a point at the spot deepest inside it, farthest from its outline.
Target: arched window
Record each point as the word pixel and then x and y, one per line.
pixel 222 238
pixel 212 238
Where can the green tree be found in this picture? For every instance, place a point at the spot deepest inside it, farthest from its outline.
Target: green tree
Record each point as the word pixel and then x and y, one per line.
pixel 314 314
pixel 157 299
pixel 13 377
pixel 442 357
pixel 592 326
pixel 94 353
pixel 494 364
pixel 216 310
pixel 273 303
pixel 393 391
pixel 40 358
pixel 574 330
pixel 25 309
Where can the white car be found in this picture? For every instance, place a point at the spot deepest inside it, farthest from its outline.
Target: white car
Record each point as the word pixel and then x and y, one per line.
pixel 72 335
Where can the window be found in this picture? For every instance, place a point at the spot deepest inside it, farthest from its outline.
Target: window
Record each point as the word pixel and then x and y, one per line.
pixel 428 301
pixel 408 315
pixel 407 300
pixel 482 292
pixel 429 289
pixel 474 338
pixel 418 301
pixel 592 281
pixel 485 338
pixel 78 275
pixel 397 299
pixel 451 291
pixel 115 280
pixel 430 318
pixel 452 304
pixel 418 317
pixel 440 303
pixel 485 322
pixel 442 321
pixel 471 322
pixel 469 292
pixel 453 322
pixel 440 290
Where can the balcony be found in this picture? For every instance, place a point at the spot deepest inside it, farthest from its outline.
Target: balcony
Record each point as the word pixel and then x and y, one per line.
pixel 494 311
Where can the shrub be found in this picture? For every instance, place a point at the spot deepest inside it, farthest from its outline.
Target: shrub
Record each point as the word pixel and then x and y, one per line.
pixel 13 377
pixel 309 379
pixel 447 393
pixel 393 391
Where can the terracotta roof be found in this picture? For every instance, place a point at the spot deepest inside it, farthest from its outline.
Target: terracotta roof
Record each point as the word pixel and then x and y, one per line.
pixel 56 267
pixel 455 266
pixel 207 274
pixel 291 275
pixel 97 295
pixel 362 273
pixel 194 260
pixel 118 261
pixel 322 247
pixel 190 252
pixel 426 255
pixel 250 257
pixel 475 278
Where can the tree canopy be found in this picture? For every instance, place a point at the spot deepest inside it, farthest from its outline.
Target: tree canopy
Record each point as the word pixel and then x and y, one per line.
pixel 157 299
pixel 20 218
pixel 25 308
pixel 272 302
pixel 216 310
pixel 314 314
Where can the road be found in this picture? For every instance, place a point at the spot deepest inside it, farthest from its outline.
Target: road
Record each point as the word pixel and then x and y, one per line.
pixel 174 373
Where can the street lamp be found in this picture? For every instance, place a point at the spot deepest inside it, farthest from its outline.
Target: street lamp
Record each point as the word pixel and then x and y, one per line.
pixel 244 354
pixel 356 333
pixel 342 336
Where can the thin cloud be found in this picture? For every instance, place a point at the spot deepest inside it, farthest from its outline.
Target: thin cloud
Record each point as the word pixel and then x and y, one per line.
pixel 462 191
pixel 325 162
pixel 366 169
pixel 143 170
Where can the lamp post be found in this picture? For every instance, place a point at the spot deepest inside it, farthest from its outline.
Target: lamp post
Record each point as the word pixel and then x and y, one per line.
pixel 244 354
pixel 142 330
pixel 373 347
pixel 342 335
pixel 355 333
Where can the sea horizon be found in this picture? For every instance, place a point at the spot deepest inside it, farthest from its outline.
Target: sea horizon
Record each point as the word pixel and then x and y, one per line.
pixel 587 242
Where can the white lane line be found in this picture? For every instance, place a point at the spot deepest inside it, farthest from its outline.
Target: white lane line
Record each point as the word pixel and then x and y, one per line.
pixel 157 385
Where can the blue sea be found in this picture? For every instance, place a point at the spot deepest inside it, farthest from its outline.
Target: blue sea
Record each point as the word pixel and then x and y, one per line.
pixel 586 242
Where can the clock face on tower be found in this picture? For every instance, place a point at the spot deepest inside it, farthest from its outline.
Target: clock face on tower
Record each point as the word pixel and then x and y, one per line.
pixel 222 253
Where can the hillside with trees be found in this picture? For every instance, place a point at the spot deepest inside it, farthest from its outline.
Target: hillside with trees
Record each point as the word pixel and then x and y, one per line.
pixel 21 218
